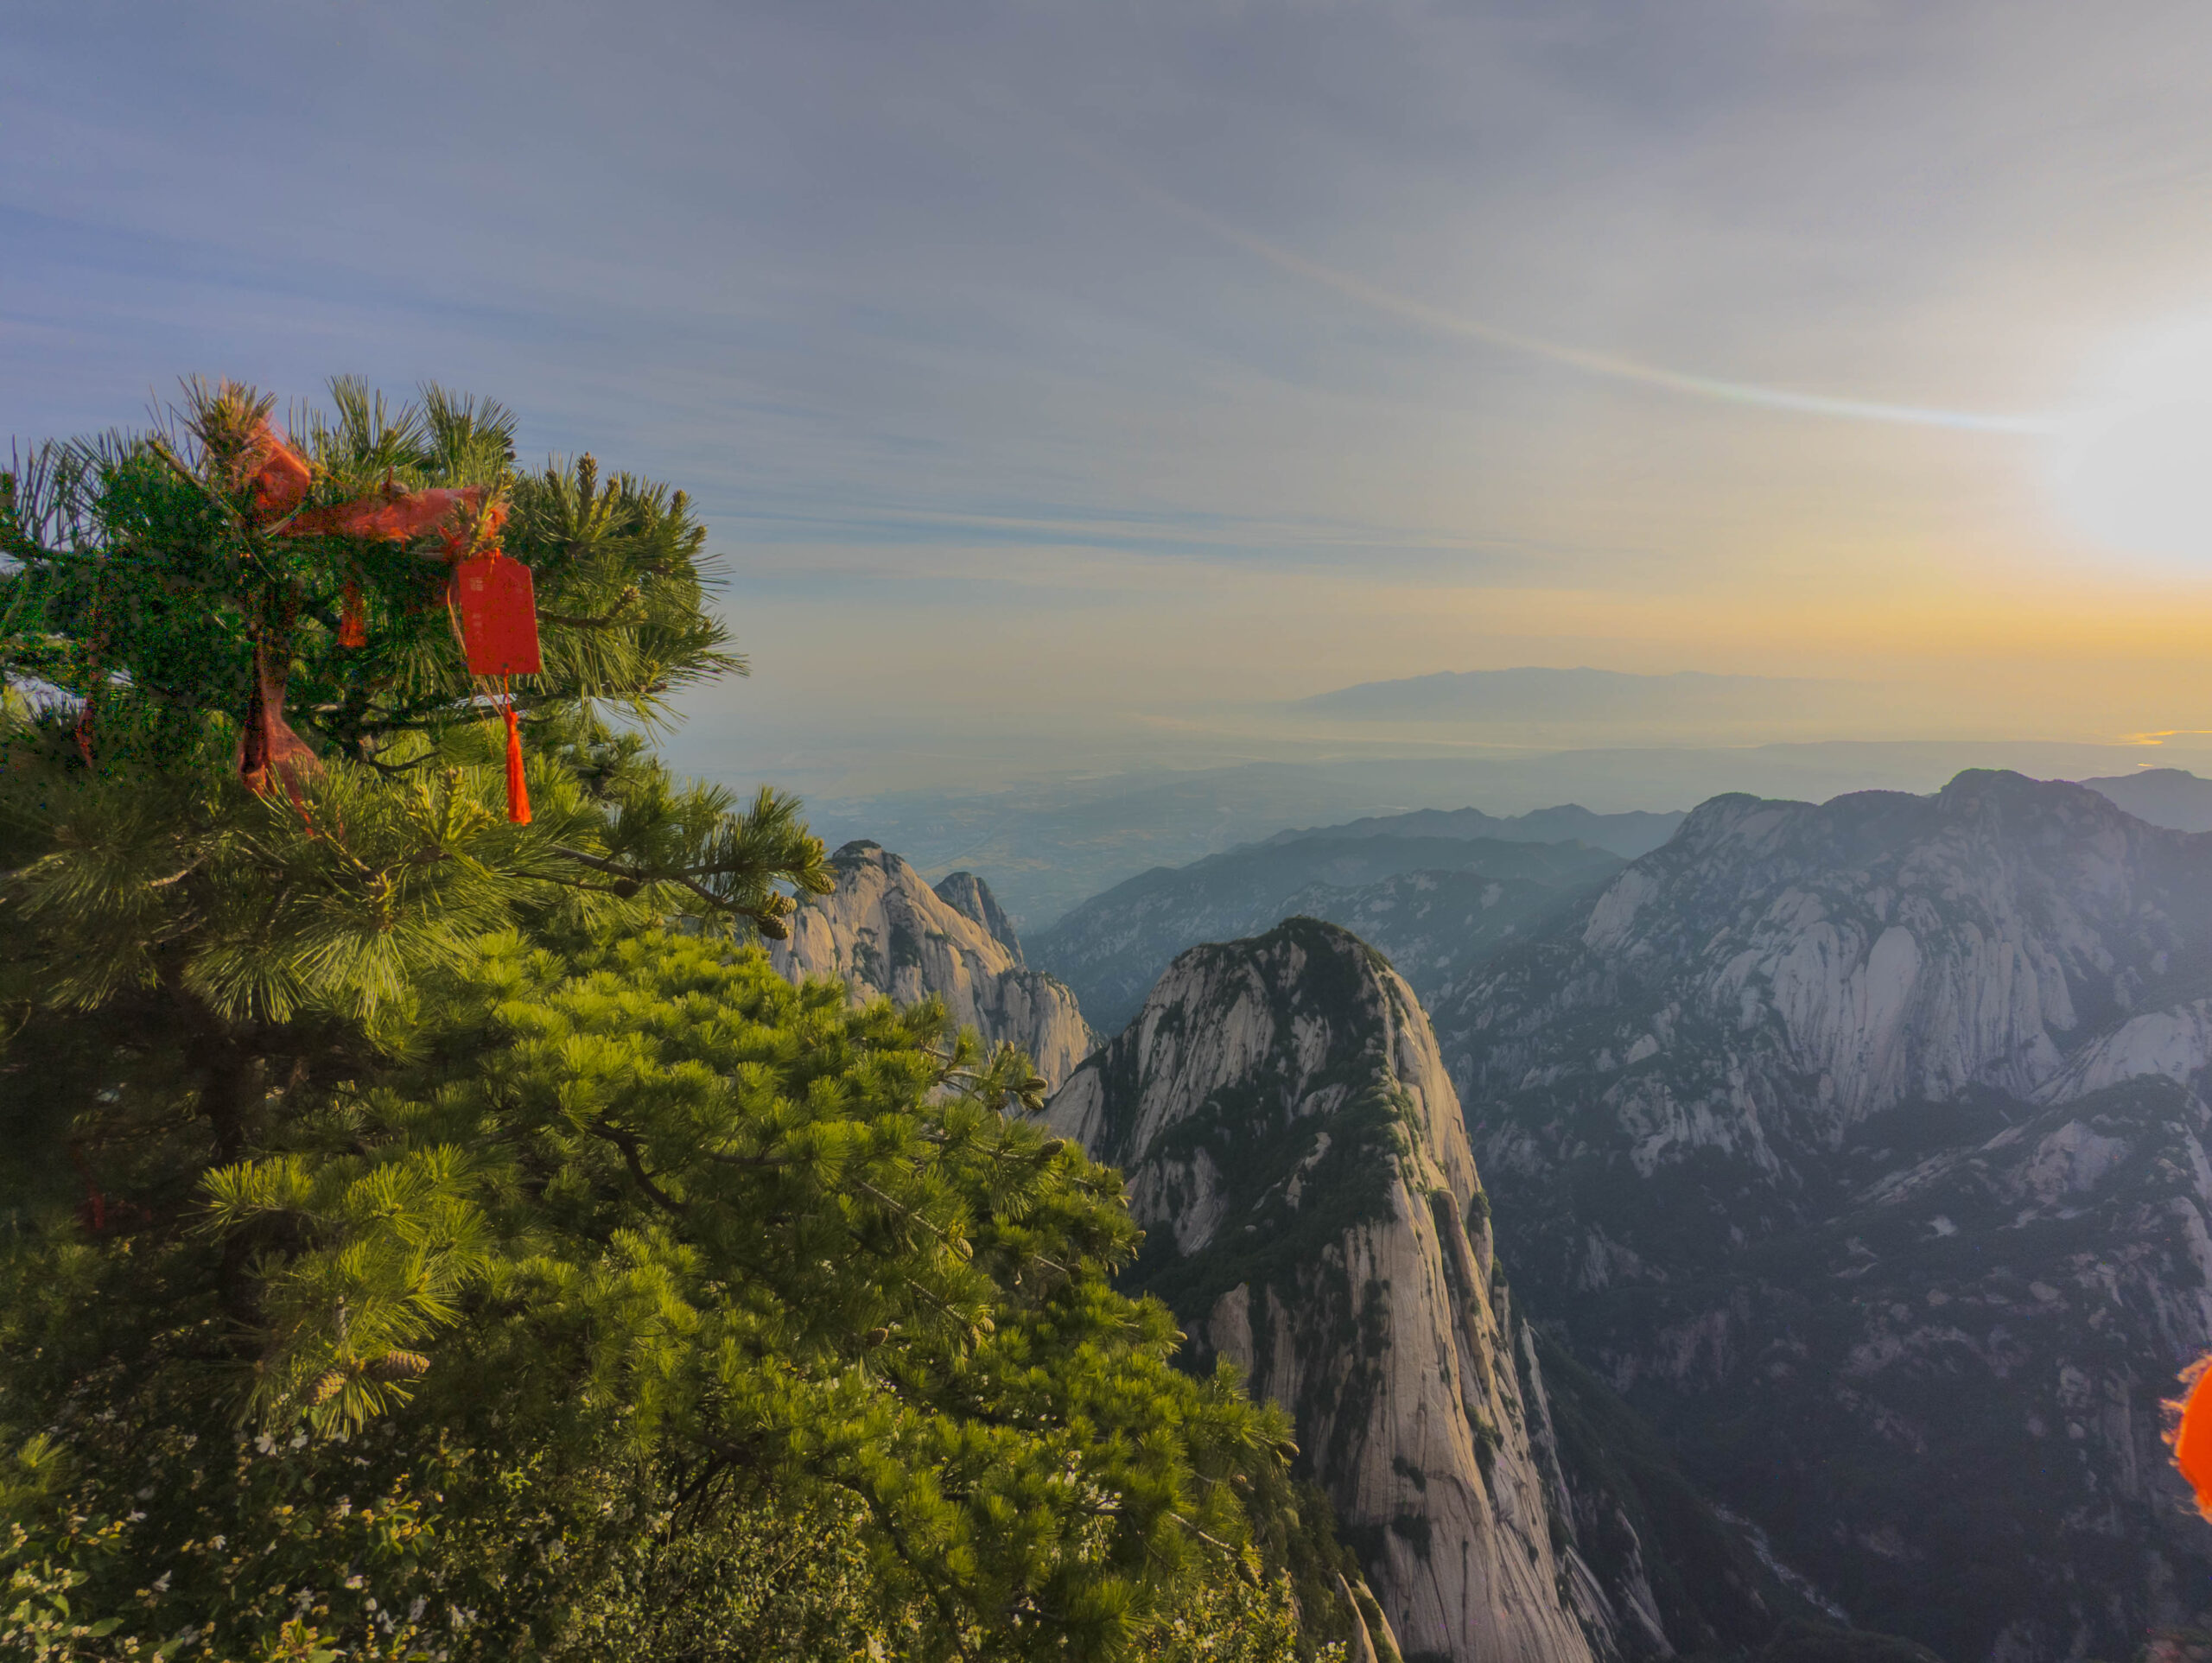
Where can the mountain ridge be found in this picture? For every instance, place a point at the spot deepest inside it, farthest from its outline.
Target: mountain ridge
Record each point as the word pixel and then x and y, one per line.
pixel 1113 947
pixel 2173 797
pixel 1862 1145
pixel 1636 831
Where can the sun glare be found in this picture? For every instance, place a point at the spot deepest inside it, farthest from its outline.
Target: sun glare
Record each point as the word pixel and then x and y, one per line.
pixel 2134 469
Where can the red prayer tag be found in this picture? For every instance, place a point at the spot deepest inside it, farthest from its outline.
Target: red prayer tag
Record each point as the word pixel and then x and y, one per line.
pixel 499 616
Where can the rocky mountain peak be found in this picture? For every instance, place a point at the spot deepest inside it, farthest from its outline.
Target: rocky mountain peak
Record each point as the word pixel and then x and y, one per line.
pixel 970 897
pixel 1296 1150
pixel 886 933
pixel 1895 946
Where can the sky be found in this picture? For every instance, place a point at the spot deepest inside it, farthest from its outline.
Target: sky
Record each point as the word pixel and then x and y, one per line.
pixel 1071 386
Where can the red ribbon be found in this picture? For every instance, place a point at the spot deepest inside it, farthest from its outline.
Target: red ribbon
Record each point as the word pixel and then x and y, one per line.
pixel 280 475
pixel 352 618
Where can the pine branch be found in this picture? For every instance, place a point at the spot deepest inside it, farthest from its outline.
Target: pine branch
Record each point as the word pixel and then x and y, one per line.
pixel 628 1143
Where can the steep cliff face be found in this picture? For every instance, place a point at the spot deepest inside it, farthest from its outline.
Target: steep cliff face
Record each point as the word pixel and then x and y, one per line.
pixel 1944 1397
pixel 1297 1152
pixel 1862 1145
pixel 885 931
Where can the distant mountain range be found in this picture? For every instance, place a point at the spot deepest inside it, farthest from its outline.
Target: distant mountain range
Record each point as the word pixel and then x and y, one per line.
pixel 2172 797
pixel 1048 844
pixel 1574 696
pixel 1625 834
pixel 1436 905
pixel 1862 1146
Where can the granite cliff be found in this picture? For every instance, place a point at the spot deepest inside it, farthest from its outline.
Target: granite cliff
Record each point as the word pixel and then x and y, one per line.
pixel 1862 1145
pixel 886 932
pixel 1297 1153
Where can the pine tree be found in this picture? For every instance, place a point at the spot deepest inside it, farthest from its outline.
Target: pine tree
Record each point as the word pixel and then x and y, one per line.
pixel 438 1235
pixel 251 933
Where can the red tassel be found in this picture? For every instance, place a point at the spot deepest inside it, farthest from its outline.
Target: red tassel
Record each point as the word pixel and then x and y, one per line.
pixel 353 618
pixel 518 792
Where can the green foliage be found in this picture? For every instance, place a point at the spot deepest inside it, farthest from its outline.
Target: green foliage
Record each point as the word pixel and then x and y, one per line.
pixel 424 1235
pixel 171 942
pixel 652 1223
pixel 143 572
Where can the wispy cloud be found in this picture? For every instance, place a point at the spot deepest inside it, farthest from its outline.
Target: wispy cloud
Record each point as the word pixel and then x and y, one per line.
pixel 1182 351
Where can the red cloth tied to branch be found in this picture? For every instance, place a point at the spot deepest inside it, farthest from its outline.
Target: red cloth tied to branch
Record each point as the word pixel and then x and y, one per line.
pixel 269 753
pixel 280 475
pixel 397 517
pixel 489 594
pixel 353 617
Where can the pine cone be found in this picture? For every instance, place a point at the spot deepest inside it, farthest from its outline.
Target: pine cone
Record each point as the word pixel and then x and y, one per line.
pixel 328 1387
pixel 400 1365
